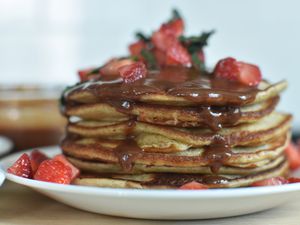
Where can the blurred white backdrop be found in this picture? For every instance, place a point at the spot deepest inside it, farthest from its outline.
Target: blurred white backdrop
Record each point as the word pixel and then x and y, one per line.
pixel 46 41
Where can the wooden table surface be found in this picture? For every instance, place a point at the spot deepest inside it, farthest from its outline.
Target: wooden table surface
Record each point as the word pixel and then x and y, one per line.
pixel 21 205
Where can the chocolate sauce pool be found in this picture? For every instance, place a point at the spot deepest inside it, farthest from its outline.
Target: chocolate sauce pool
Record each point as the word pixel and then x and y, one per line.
pixel 216 100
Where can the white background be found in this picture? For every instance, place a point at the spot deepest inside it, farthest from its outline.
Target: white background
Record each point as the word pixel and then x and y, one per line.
pixel 46 41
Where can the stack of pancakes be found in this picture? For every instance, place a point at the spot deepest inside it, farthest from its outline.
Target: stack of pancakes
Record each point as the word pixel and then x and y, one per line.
pixel 175 126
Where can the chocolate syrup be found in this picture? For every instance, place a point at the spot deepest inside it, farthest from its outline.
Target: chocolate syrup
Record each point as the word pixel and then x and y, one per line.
pixel 217 153
pixel 174 81
pixel 177 180
pixel 127 152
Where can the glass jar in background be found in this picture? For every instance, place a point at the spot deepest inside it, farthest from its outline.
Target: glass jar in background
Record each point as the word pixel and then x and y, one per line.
pixel 30 116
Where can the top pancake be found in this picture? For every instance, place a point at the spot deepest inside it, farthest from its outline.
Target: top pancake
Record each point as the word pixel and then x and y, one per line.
pixel 173 86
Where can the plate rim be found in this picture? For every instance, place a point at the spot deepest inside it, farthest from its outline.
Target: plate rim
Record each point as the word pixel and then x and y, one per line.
pixel 144 193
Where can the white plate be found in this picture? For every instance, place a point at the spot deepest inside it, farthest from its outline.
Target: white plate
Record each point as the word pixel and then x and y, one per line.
pixel 5 145
pixel 160 204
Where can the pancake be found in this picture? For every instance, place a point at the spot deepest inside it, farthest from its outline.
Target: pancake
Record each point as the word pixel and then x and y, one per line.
pixel 274 125
pixel 162 87
pixel 104 168
pixel 170 115
pixel 172 180
pixel 240 157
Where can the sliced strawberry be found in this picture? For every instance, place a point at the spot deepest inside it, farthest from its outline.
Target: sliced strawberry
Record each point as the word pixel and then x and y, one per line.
pixel 249 74
pixel 293 180
pixel 178 55
pixel 245 73
pixel 86 75
pixel 63 159
pixel 133 72
pixel 36 158
pixel 167 34
pixel 270 182
pixel 22 167
pixel 54 171
pixel 162 40
pixel 193 186
pixel 136 48
pixel 160 56
pixel 293 155
pixel 227 68
pixel 176 27
pixel 111 68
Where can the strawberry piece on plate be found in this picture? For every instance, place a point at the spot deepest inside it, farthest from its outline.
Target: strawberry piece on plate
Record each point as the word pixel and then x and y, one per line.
pixel 36 158
pixel 133 72
pixel 293 155
pixel 22 167
pixel 193 186
pixel 111 68
pixel 245 73
pixel 274 181
pixel 63 159
pixel 293 180
pixel 54 171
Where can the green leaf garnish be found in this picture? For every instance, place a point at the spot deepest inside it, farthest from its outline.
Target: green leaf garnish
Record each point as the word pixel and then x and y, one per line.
pixel 175 15
pixel 197 63
pixel 196 43
pixel 150 59
pixel 143 37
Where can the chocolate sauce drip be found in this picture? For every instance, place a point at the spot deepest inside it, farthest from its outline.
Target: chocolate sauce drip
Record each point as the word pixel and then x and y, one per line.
pixel 128 150
pixel 178 180
pixel 217 153
pixel 215 117
pixel 122 106
pixel 175 81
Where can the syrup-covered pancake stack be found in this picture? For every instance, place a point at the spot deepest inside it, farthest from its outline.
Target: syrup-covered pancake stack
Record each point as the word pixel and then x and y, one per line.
pixel 173 126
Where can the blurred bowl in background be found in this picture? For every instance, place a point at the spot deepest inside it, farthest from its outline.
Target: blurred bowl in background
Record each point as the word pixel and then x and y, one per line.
pixel 29 115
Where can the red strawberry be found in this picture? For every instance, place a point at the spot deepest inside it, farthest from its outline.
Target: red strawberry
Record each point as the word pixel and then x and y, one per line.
pixel 167 34
pixel 293 155
pixel 36 158
pixel 54 171
pixel 176 27
pixel 62 158
pixel 193 186
pixel 293 180
pixel 111 68
pixel 227 68
pixel 232 69
pixel 22 167
pixel 162 41
pixel 178 55
pixel 270 182
pixel 136 48
pixel 249 74
pixel 133 72
pixel 85 75
pixel 160 56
